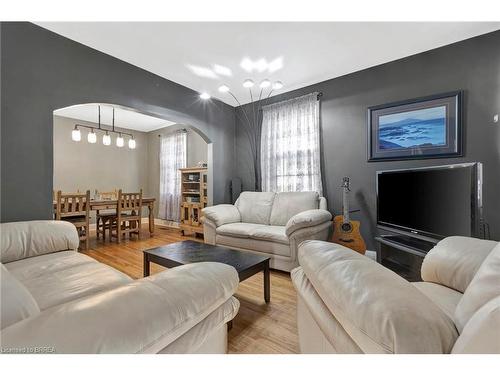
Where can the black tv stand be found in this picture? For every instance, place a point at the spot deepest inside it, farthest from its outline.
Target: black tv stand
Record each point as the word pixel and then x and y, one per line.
pixel 402 254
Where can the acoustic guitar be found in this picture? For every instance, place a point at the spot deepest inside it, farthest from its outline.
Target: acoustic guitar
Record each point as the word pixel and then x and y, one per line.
pixel 346 231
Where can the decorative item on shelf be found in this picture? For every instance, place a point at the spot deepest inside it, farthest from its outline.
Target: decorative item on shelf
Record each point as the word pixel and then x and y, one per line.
pixel 429 127
pixel 194 186
pixel 106 138
pixel 202 164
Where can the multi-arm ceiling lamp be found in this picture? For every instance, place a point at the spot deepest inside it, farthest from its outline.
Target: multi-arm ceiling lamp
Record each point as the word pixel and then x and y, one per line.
pixel 106 138
pixel 248 83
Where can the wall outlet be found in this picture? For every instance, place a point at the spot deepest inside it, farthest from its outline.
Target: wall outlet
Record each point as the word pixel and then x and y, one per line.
pixel 495 118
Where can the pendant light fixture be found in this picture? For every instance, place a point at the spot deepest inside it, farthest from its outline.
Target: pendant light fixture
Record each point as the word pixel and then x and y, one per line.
pixel 76 134
pixel 131 143
pixel 92 137
pixel 106 139
pixel 119 140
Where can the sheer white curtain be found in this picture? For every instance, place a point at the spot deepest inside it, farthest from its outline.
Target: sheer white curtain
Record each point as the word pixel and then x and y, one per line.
pixel 290 145
pixel 172 157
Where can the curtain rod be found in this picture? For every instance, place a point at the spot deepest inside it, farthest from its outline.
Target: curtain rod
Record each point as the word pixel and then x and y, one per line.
pixel 177 131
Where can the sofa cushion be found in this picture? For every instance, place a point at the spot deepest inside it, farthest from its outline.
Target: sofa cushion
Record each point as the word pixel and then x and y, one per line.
pixel 16 302
pixel 445 298
pixel 61 277
pixel 381 311
pixel 255 207
pixel 143 316
pixel 307 219
pixel 454 261
pixel 484 287
pixel 480 334
pixel 222 214
pixel 271 233
pixel 289 204
pixel 26 239
pixel 258 246
pixel 30 268
pixel 242 230
pixel 332 330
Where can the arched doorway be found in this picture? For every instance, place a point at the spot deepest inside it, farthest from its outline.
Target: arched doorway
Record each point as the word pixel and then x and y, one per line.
pixel 99 165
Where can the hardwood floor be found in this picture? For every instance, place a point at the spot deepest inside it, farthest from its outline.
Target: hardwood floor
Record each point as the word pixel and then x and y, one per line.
pixel 259 328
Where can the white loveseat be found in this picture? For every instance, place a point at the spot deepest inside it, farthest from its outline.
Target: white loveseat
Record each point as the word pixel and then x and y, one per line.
pixel 270 223
pixel 348 303
pixel 56 300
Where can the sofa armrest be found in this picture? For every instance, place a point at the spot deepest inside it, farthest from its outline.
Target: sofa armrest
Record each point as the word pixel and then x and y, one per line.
pixel 454 261
pixel 141 317
pixel 381 312
pixel 222 214
pixel 25 239
pixel 305 219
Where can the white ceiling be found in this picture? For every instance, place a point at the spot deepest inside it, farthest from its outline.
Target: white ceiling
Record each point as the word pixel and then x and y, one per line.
pixel 124 118
pixel 203 56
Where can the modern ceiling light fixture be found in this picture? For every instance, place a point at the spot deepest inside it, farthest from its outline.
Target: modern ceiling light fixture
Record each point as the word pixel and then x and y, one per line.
pixel 119 140
pixel 265 83
pixel 278 85
pixel 76 134
pixel 224 88
pixel 106 139
pixel 92 137
pixel 248 83
pixel 204 96
pixel 131 143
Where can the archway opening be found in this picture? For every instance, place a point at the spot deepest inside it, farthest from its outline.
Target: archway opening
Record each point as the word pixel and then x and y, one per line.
pixel 104 147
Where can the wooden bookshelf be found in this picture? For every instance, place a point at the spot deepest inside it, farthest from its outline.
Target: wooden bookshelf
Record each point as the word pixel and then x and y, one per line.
pixel 194 198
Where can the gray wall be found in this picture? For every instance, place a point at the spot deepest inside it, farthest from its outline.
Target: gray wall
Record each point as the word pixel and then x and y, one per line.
pixel 472 65
pixel 196 151
pixel 42 71
pixel 82 165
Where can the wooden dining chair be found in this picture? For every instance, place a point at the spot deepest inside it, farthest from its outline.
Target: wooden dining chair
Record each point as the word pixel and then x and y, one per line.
pixel 75 208
pixel 128 215
pixel 104 219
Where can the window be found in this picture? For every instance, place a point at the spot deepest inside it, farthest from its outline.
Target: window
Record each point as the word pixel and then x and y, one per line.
pixel 290 151
pixel 173 149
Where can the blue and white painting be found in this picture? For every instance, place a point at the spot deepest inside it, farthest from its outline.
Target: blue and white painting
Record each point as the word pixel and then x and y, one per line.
pixel 419 128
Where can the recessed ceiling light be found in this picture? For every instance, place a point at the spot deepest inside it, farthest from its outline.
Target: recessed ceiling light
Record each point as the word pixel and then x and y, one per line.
pixel 277 85
pixel 265 83
pixel 248 83
pixel 223 88
pixel 204 96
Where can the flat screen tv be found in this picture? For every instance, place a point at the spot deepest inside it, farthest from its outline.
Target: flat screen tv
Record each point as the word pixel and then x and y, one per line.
pixel 431 203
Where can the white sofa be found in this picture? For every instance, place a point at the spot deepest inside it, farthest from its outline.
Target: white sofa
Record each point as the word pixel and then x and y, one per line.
pixel 56 300
pixel 348 303
pixel 269 223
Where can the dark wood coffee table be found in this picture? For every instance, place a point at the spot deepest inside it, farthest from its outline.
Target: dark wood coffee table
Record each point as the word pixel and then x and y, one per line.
pixel 186 252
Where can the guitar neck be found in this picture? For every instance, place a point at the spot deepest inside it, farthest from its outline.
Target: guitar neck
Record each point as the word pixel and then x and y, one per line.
pixel 345 199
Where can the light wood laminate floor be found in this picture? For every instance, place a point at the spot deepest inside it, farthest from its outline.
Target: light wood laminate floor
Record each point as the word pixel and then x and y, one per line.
pixel 259 328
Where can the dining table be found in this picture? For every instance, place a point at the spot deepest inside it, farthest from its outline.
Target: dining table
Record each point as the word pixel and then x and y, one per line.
pixel 107 204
